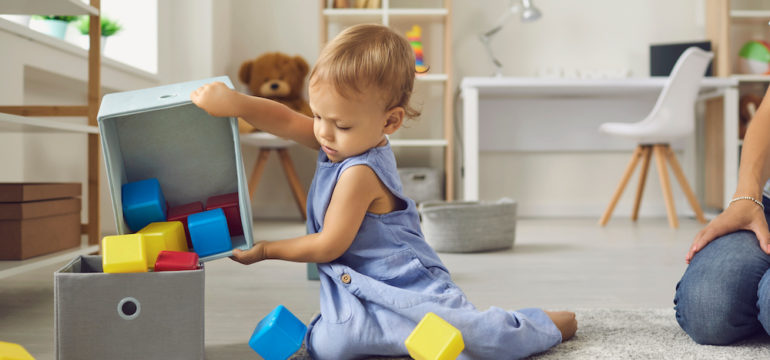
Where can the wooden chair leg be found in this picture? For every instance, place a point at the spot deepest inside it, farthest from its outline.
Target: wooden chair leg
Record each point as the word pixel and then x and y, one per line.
pixel 646 154
pixel 296 186
pixel 619 190
pixel 660 161
pixel 685 186
pixel 259 167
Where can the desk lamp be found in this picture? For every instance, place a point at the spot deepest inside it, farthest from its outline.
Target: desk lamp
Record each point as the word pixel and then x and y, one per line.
pixel 528 13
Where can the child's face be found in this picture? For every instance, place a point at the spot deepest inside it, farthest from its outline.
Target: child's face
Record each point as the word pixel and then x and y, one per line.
pixel 347 127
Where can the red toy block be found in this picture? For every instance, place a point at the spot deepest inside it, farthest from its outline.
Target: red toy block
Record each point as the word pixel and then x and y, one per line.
pixel 229 204
pixel 180 213
pixel 176 260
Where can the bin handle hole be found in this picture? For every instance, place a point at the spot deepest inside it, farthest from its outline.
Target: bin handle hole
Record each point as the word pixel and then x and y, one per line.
pixel 167 96
pixel 129 308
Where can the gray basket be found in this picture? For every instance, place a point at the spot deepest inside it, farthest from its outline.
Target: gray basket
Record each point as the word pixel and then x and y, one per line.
pixel 462 226
pixel 422 184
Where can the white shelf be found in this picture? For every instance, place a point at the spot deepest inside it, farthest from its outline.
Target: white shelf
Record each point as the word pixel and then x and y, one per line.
pixel 46 7
pixel 14 267
pixel 14 123
pixel 751 78
pixel 68 47
pixel 419 12
pixel 750 14
pixel 432 77
pixel 418 142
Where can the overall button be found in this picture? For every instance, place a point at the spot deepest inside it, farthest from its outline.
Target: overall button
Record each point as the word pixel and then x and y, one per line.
pixel 345 278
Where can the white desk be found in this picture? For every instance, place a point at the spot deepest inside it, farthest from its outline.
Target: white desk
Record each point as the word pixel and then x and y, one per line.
pixel 529 89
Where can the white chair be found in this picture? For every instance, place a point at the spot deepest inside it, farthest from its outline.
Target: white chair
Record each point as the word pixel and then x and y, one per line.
pixel 268 142
pixel 672 117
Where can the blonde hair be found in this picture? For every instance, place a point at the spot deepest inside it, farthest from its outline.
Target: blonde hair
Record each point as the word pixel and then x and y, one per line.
pixel 369 55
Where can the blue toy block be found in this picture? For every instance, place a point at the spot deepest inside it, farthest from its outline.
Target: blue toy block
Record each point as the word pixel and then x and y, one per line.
pixel 278 335
pixel 143 203
pixel 208 232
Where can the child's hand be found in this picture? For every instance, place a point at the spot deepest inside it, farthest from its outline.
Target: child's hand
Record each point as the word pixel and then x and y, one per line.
pixel 216 98
pixel 255 254
pixel 565 321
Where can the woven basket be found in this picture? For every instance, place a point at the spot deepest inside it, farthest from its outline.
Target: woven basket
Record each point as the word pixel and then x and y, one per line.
pixel 462 226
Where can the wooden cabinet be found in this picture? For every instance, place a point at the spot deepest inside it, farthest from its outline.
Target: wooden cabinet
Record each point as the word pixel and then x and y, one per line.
pixel 429 138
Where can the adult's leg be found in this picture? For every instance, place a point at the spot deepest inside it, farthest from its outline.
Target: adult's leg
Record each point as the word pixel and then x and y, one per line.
pixel 716 300
pixel 764 301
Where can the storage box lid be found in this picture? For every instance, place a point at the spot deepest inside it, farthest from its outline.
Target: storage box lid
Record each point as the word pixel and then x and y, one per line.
pixel 159 133
pixel 19 192
pixel 38 209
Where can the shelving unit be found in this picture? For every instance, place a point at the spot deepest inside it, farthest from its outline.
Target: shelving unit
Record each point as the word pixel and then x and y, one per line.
pixel 729 24
pixel 24 118
pixel 439 61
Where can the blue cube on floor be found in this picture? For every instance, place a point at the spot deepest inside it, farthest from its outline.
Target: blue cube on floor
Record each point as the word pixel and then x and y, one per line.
pixel 143 203
pixel 278 335
pixel 208 232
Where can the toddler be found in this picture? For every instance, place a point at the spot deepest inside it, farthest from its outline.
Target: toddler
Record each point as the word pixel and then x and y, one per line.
pixel 378 275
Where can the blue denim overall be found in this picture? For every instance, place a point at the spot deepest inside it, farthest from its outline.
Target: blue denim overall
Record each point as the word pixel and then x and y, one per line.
pixel 374 295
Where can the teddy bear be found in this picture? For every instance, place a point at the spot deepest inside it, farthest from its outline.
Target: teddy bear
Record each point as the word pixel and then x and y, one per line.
pixel 278 77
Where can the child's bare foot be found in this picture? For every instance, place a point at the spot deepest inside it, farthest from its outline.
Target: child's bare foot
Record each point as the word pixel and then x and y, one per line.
pixel 565 321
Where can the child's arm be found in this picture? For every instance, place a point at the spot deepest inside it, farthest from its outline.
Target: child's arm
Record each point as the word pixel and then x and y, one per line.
pixel 219 100
pixel 357 188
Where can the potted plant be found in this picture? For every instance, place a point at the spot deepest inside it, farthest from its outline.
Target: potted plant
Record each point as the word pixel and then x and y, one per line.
pixel 54 25
pixel 109 27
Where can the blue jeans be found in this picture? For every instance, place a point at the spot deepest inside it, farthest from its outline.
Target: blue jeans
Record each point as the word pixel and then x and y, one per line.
pixel 724 295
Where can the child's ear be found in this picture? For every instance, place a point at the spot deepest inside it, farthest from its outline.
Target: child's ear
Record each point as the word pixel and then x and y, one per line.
pixel 393 120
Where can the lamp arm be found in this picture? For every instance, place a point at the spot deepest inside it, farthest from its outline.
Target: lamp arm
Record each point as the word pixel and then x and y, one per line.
pixel 498 65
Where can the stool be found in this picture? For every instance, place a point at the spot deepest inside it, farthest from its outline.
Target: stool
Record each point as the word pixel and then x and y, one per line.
pixel 268 142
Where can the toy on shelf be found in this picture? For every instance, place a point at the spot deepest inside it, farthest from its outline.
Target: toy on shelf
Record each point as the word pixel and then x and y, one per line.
pixel 13 351
pixel 415 39
pixel 176 261
pixel 434 339
pixel 229 204
pixel 208 232
pixel 181 212
pixel 754 58
pixel 278 335
pixel 160 236
pixel 143 203
pixel 124 254
pixel 747 107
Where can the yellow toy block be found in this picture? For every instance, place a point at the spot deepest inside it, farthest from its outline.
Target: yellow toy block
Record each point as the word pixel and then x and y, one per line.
pixel 124 254
pixel 11 351
pixel 159 236
pixel 434 339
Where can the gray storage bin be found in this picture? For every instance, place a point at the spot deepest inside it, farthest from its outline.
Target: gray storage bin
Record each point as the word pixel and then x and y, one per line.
pixel 462 226
pixel 159 133
pixel 152 315
pixel 422 184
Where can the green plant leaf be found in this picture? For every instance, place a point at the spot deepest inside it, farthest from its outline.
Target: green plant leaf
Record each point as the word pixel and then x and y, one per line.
pixel 109 26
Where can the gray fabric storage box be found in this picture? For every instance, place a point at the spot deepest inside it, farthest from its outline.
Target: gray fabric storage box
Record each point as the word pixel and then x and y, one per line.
pixel 421 183
pixel 159 133
pixel 469 226
pixel 152 315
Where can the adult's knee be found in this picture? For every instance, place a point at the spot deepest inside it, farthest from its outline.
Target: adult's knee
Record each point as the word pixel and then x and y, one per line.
pixel 714 305
pixel 707 314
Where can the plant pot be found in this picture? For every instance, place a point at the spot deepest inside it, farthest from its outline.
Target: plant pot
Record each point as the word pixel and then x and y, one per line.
pixel 55 28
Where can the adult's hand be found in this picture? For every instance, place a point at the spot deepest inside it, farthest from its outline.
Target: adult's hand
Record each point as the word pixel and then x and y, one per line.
pixel 740 215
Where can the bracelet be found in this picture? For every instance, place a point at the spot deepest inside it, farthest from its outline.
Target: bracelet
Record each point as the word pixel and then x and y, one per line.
pixel 747 198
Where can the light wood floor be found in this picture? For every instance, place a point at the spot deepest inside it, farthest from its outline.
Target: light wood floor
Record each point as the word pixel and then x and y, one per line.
pixel 554 264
